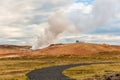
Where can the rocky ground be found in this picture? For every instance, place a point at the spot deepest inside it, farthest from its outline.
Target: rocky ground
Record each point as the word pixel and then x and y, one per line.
pixel 113 77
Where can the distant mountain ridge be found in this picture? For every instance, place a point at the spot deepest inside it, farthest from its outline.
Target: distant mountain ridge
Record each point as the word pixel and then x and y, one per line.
pixel 12 50
pixel 14 46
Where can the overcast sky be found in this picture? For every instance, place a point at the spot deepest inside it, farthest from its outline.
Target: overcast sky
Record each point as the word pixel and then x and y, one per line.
pixel 22 20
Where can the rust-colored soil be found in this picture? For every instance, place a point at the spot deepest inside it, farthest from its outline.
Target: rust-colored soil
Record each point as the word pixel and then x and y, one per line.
pixel 72 49
pixel 12 50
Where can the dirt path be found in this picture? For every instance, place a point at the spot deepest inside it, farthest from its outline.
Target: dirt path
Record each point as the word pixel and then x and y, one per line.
pixel 55 73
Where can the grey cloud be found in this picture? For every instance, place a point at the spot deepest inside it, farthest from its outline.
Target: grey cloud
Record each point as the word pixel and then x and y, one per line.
pixel 20 18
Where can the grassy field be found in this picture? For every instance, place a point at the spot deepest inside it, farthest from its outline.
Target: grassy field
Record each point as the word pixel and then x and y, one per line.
pixel 93 72
pixel 17 68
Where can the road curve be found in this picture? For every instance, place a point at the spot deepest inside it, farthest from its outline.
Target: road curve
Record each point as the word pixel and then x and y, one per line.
pixel 55 73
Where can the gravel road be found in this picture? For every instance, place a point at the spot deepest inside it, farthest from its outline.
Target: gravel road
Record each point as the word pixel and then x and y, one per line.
pixel 55 73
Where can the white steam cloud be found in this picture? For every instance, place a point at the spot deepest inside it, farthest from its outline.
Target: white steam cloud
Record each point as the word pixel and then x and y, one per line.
pixel 78 17
pixel 58 23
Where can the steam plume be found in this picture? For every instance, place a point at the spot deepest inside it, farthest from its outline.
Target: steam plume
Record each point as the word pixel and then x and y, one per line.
pixel 57 24
pixel 72 19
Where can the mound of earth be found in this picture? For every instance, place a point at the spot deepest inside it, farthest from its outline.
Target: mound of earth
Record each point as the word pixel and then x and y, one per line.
pixel 12 50
pixel 73 49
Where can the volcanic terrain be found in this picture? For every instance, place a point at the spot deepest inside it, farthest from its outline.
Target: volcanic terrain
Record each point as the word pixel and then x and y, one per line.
pixel 71 49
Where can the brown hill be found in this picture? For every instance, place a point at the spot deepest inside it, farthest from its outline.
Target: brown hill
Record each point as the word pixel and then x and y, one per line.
pixel 12 50
pixel 73 49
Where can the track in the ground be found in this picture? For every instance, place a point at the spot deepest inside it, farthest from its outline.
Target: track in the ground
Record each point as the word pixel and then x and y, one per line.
pixel 55 73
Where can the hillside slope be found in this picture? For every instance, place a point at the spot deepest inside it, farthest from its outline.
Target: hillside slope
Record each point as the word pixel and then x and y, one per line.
pixel 83 49
pixel 72 49
pixel 12 50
